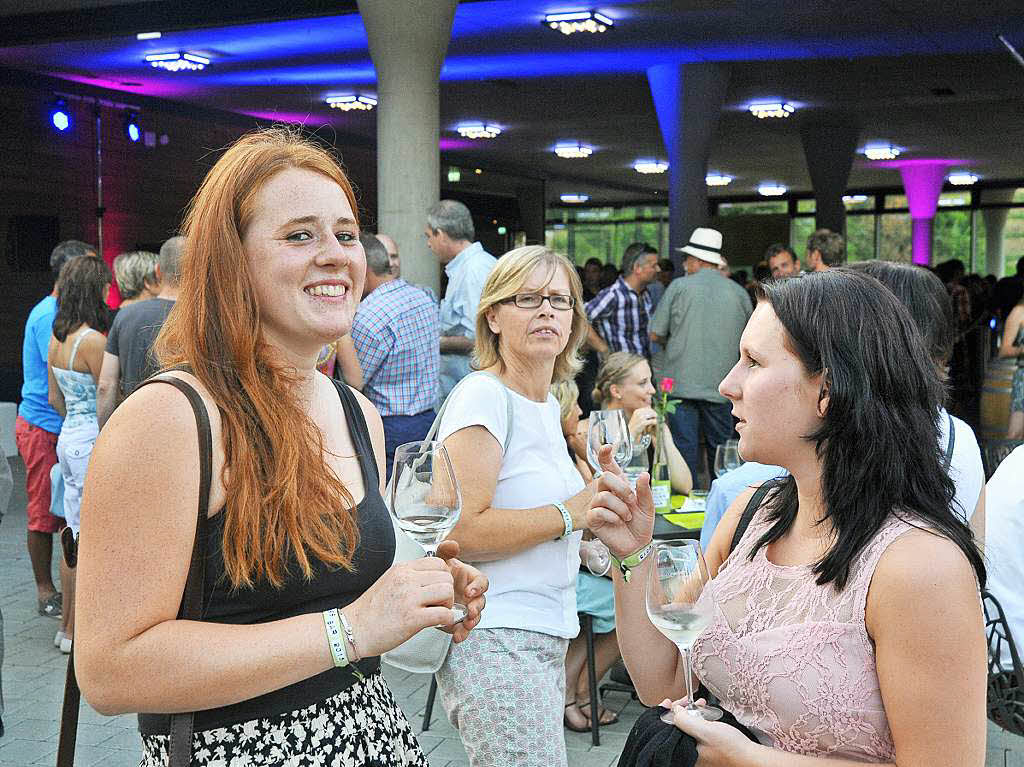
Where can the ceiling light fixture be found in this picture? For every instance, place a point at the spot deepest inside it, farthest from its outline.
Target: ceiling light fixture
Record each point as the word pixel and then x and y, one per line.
pixel 475 130
pixel 60 117
pixel 648 165
pixel 718 179
pixel 854 199
pixel 579 21
pixel 882 151
pixel 574 198
pixel 148 36
pixel 573 149
pixel 962 178
pixel 771 189
pixel 765 109
pixel 178 62
pixel 454 175
pixel 350 102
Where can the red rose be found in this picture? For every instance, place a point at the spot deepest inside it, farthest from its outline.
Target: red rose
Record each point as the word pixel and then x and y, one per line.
pixel 667 384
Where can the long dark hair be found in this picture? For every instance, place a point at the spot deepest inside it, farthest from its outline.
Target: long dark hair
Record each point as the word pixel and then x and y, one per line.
pixel 80 296
pixel 879 440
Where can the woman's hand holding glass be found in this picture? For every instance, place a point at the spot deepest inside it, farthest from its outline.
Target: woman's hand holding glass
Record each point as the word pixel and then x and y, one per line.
pixel 621 517
pixel 470 587
pixel 642 424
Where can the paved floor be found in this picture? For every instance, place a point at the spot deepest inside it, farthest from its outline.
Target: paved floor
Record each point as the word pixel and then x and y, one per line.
pixel 33 682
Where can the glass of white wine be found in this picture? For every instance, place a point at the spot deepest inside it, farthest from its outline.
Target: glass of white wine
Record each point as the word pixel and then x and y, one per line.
pixel 675 583
pixel 733 459
pixel 609 427
pixel 426 499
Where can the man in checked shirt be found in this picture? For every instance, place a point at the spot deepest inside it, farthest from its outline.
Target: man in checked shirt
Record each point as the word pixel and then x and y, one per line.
pixel 395 331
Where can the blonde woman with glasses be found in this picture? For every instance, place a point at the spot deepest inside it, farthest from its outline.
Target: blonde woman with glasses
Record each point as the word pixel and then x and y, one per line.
pixel 523 513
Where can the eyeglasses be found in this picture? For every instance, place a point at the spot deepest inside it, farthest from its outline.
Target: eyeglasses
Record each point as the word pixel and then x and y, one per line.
pixel 557 301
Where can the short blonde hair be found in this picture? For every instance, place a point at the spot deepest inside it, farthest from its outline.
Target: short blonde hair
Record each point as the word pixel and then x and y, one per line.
pixel 567 393
pixel 506 279
pixel 613 372
pixel 133 270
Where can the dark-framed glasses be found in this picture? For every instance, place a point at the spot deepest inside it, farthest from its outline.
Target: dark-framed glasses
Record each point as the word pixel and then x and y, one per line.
pixel 557 301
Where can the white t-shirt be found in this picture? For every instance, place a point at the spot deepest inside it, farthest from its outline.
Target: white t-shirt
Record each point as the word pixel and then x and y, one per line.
pixel 966 469
pixel 1004 543
pixel 534 589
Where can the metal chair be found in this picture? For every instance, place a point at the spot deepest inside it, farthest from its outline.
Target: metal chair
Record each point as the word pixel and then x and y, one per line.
pixel 1005 687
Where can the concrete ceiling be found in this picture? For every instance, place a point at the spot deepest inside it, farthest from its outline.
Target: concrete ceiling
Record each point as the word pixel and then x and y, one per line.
pixel 934 80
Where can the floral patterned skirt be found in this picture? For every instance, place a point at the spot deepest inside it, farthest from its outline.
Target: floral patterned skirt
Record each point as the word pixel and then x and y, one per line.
pixel 361 726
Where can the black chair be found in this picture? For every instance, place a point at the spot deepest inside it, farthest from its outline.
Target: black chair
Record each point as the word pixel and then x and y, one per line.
pixel 993 451
pixel 428 712
pixel 1005 687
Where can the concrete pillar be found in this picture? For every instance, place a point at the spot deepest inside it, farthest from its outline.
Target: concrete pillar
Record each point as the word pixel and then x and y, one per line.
pixel 922 182
pixel 688 99
pixel 995 221
pixel 408 41
pixel 830 142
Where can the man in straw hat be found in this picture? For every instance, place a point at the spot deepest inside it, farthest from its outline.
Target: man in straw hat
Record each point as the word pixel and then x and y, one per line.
pixel 699 321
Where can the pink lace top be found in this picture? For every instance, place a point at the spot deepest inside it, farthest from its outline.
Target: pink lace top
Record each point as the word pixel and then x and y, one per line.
pixel 792 660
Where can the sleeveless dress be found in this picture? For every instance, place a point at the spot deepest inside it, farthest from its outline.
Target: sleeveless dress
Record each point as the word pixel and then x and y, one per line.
pixel 332 718
pixel 792 659
pixel 1017 387
pixel 78 433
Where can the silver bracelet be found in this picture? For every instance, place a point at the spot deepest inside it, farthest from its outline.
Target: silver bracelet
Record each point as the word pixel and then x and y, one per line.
pixel 349 634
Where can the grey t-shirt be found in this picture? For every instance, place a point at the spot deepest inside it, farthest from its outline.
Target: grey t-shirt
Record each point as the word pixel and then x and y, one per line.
pixel 131 340
pixel 703 316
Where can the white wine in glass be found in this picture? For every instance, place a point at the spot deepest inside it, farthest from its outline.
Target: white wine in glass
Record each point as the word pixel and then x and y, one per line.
pixel 675 583
pixel 426 499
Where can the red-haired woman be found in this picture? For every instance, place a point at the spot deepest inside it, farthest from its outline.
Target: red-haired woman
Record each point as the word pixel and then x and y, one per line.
pixel 299 536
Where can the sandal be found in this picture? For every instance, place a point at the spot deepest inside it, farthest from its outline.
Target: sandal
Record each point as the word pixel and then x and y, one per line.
pixel 51 606
pixel 574 727
pixel 603 713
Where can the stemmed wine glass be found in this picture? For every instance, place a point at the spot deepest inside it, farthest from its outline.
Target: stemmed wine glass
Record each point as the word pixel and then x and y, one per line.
pixel 425 498
pixel 727 458
pixel 675 583
pixel 609 427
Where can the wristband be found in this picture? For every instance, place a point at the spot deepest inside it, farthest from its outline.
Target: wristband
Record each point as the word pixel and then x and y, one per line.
pixel 626 564
pixel 566 520
pixel 335 638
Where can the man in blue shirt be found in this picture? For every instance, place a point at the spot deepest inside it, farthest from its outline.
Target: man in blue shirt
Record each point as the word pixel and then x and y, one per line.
pixel 725 489
pixel 36 431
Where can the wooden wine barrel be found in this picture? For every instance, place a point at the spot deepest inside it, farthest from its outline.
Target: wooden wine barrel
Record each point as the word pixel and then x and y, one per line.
pixel 995 399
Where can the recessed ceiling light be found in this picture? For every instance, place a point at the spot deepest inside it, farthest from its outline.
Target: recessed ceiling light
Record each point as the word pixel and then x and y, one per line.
pixel 962 178
pixel 578 21
pixel 574 198
pixel 771 189
pixel 882 151
pixel 573 149
pixel 765 109
pixel 476 130
pixel 350 101
pixel 454 175
pixel 853 199
pixel 178 62
pixel 148 36
pixel 718 179
pixel 648 165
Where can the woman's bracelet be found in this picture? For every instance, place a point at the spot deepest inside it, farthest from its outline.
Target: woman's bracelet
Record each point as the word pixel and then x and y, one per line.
pixel 349 635
pixel 626 564
pixel 338 630
pixel 566 519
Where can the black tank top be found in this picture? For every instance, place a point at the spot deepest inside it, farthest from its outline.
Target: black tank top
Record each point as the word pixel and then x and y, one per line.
pixel 329 587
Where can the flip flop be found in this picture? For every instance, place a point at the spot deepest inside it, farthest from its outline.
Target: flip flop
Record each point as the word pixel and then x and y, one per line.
pixel 601 722
pixel 51 606
pixel 570 726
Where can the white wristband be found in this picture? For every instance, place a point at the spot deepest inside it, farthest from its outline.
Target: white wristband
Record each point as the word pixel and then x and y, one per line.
pixel 566 519
pixel 336 638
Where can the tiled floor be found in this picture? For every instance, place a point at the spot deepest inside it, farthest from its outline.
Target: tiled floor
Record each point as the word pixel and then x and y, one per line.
pixel 33 682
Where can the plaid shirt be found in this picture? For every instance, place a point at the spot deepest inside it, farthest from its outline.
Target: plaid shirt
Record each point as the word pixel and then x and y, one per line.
pixel 395 331
pixel 620 315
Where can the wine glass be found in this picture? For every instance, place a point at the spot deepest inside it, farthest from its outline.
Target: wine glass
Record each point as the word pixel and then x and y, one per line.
pixel 721 467
pixel 637 463
pixel 425 498
pixel 675 583
pixel 609 427
pixel 733 459
pixel 595 556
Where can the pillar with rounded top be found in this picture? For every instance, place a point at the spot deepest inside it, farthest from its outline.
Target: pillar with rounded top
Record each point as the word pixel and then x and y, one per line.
pixel 688 99
pixel 995 222
pixel 922 181
pixel 830 142
pixel 408 41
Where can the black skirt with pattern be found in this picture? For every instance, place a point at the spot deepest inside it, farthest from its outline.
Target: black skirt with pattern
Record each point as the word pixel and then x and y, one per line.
pixel 362 726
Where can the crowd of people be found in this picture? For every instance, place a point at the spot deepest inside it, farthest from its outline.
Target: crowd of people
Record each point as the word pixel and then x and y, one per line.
pixel 264 366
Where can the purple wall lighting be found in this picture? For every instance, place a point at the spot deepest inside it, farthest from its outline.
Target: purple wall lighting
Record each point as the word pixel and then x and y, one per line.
pixel 922 181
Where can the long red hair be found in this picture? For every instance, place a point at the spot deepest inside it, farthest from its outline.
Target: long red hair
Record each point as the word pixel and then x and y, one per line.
pixel 281 495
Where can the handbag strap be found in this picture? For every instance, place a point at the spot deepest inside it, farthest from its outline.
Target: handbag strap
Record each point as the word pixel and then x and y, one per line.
pixel 948 459
pixel 752 506
pixel 182 724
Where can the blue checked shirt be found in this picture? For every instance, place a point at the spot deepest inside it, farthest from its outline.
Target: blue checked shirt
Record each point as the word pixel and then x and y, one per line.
pixel 395 331
pixel 620 315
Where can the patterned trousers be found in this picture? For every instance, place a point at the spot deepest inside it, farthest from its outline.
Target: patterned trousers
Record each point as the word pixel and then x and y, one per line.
pixel 504 691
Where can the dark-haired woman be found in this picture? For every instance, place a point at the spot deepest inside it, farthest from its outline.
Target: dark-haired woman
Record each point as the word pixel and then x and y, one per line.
pixel 73 364
pixel 847 625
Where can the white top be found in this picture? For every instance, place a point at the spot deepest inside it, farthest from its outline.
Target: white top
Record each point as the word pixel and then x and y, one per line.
pixel 534 589
pixel 966 469
pixel 1004 543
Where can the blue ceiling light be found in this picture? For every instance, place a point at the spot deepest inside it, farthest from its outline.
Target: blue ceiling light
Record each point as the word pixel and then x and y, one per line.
pixel 178 62
pixel 60 117
pixel 131 127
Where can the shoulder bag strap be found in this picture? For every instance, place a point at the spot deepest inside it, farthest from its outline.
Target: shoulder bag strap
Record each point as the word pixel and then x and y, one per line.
pixel 191 601
pixel 948 460
pixel 748 513
pixel 432 432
